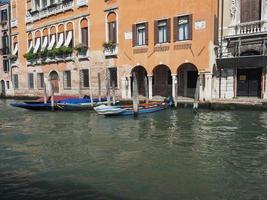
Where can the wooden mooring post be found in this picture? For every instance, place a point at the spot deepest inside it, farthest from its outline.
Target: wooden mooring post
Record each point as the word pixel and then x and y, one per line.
pixel 135 95
pixel 146 89
pixel 113 93
pixel 52 97
pixel 45 95
pixel 99 87
pixel 196 99
pixel 108 88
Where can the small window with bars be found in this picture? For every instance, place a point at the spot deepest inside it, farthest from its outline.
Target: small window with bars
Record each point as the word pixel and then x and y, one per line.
pixel 6 65
pixel 113 76
pixel 67 79
pixel 40 80
pixel 84 78
pixel 30 81
pixel 15 81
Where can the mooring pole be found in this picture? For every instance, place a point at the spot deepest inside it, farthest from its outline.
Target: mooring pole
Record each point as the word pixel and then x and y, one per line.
pixel 146 90
pixel 135 95
pixel 52 97
pixel 108 87
pixel 113 93
pixel 99 87
pixel 196 99
pixel 45 97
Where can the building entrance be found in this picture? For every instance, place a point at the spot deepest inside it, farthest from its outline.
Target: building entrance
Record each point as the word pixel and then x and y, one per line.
pixel 249 82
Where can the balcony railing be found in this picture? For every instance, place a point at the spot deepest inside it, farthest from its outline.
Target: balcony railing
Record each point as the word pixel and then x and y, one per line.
pixel 111 51
pixel 248 28
pixel 82 3
pixel 14 23
pixel 52 10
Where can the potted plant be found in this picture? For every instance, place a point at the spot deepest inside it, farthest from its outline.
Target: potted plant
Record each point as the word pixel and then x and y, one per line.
pixel 109 46
pixel 67 51
pixel 81 48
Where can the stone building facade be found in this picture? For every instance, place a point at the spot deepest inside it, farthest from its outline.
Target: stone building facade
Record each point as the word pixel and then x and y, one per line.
pixel 77 44
pixel 241 63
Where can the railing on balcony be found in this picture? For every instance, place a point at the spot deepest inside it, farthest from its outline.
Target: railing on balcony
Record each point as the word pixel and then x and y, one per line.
pixel 51 10
pixel 14 23
pixel 248 28
pixel 82 3
pixel 111 51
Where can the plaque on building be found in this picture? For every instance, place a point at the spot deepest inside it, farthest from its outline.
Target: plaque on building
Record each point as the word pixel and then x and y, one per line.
pixel 128 35
pixel 200 25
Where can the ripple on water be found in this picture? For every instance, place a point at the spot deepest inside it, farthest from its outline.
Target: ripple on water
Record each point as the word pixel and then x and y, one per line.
pixel 172 154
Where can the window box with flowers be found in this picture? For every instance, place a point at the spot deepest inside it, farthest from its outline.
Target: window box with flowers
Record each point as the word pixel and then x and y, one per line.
pixel 110 48
pixel 82 50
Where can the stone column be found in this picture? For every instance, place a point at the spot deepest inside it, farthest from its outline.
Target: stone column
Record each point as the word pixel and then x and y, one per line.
pixel 265 83
pixel 208 86
pixel 174 86
pixel 150 87
pixel 123 88
pixel 129 87
pixel 264 14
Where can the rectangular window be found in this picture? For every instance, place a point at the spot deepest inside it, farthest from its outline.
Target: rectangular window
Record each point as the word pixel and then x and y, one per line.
pixel 141 34
pixel 6 65
pixel 30 81
pixel 113 76
pixel 84 78
pixel 112 32
pixel 8 85
pixel 84 32
pixel 5 43
pixel 183 28
pixel 16 81
pixel 162 31
pixel 3 15
pixel 67 79
pixel 40 80
pixel 250 10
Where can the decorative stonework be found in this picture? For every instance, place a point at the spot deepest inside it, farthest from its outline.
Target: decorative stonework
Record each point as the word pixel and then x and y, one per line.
pixel 233 11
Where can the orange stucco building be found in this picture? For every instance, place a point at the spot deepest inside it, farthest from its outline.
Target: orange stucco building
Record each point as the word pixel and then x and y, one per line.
pixel 77 44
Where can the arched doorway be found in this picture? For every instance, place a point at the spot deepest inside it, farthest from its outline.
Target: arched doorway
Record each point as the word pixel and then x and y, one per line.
pixel 54 81
pixel 140 73
pixel 187 80
pixel 3 88
pixel 162 81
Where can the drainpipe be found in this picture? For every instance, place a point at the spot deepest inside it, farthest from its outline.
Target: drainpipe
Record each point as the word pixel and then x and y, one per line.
pixel 221 50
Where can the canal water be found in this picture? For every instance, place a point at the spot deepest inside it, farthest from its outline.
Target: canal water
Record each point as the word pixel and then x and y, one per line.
pixel 174 154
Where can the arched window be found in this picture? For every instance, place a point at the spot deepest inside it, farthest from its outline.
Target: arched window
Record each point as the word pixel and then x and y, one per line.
pixel 45 39
pixel 30 42
pixel 52 38
pixel 15 45
pixel 37 41
pixel 69 35
pixel 61 36
pixel 5 42
pixel 112 27
pixel 84 32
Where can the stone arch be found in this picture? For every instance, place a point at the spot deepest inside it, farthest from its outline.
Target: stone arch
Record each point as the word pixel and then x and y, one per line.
pixel 187 75
pixel 54 78
pixel 141 74
pixel 162 81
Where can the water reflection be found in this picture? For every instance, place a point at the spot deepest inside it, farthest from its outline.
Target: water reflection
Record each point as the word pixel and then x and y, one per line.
pixel 172 154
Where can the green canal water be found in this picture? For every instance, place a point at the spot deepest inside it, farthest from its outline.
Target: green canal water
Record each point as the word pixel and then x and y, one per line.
pixel 168 155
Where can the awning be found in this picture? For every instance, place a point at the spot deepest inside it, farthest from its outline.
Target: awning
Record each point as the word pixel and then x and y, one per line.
pixel 30 47
pixel 44 45
pixel 68 40
pixel 37 45
pixel 60 40
pixel 15 50
pixel 256 61
pixel 52 42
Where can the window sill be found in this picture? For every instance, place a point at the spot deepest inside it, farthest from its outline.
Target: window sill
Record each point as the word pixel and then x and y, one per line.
pixel 140 49
pixel 162 47
pixel 182 45
pixel 69 88
pixel 85 88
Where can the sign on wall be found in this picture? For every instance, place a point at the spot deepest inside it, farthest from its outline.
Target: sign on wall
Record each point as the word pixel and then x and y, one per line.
pixel 128 35
pixel 200 25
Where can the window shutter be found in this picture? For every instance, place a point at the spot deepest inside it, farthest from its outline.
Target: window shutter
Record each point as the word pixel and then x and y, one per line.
pixel 146 25
pixel 156 32
pixel 169 30
pixel 190 27
pixel 134 34
pixel 175 29
pixel 115 32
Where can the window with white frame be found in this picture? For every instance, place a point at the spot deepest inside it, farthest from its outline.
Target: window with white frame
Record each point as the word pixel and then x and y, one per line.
pixel 162 31
pixel 183 28
pixel 16 81
pixel 141 34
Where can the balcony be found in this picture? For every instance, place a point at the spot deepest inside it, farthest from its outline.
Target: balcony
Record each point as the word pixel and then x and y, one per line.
pixel 81 3
pixel 110 49
pixel 14 23
pixel 48 11
pixel 248 28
